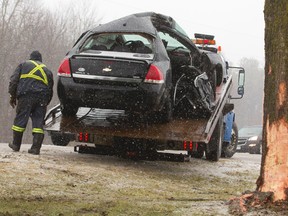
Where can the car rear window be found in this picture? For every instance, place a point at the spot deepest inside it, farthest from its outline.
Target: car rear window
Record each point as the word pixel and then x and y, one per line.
pixel 119 42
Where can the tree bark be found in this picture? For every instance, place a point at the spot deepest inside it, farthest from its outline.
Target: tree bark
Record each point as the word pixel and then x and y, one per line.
pixel 274 168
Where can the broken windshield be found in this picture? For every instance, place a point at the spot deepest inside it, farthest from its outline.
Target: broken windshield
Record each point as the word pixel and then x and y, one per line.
pixel 171 42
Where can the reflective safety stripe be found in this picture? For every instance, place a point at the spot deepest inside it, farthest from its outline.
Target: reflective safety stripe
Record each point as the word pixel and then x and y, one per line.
pixel 18 129
pixel 38 130
pixel 32 74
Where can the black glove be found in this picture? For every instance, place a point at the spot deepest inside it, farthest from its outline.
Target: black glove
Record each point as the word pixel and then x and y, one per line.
pixel 12 101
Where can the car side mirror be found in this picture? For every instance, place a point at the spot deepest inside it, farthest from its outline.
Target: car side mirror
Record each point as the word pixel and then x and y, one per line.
pixel 241 78
pixel 241 82
pixel 240 90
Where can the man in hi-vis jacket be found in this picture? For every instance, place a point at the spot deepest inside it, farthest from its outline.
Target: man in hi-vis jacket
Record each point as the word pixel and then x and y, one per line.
pixel 31 90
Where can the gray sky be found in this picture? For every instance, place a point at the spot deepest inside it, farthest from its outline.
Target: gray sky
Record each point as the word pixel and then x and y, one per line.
pixel 238 25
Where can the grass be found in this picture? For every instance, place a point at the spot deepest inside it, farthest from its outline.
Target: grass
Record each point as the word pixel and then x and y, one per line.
pixel 157 195
pixel 57 186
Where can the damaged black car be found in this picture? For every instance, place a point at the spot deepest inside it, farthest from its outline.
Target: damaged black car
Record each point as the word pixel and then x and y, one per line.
pixel 144 64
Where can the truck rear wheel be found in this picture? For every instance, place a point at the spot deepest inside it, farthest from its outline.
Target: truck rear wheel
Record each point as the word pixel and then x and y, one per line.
pixel 215 144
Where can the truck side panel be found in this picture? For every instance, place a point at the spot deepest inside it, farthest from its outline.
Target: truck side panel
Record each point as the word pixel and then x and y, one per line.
pixel 111 122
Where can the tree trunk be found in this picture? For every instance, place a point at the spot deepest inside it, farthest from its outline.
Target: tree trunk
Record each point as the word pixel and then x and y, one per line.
pixel 274 167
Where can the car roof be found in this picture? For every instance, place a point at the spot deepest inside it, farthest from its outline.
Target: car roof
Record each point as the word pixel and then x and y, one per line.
pixel 146 22
pixel 139 22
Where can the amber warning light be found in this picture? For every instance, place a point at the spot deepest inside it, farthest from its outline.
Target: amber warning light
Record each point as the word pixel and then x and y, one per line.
pixel 204 41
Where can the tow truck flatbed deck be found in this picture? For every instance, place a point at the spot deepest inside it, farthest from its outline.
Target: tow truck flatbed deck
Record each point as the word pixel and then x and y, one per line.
pixel 114 123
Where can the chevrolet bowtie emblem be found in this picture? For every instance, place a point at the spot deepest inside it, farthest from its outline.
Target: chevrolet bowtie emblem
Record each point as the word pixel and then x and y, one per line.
pixel 107 69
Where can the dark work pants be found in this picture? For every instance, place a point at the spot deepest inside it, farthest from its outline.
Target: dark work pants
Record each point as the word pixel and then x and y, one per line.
pixel 33 107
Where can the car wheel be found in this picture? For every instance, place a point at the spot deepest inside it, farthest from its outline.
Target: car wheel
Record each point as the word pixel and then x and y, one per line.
pixel 229 149
pixel 165 115
pixel 69 109
pixel 60 139
pixel 213 82
pixel 215 143
pixel 219 74
pixel 251 151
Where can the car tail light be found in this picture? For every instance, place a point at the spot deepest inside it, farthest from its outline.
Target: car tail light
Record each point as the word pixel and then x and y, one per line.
pixel 64 68
pixel 154 75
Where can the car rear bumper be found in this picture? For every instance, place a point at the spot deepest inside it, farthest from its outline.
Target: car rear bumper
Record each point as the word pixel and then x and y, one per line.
pixel 140 97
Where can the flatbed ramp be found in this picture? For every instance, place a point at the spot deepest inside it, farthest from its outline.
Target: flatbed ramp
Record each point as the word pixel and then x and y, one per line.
pixel 115 123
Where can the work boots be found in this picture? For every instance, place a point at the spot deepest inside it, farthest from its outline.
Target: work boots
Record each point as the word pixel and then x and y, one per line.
pixel 17 140
pixel 37 143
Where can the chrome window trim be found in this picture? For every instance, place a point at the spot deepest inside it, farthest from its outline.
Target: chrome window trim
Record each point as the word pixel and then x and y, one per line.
pixel 106 78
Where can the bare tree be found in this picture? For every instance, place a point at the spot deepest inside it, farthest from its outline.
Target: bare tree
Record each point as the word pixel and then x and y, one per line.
pixel 26 26
pixel 82 17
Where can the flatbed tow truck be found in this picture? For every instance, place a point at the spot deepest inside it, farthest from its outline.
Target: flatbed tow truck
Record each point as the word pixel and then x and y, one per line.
pixel 111 132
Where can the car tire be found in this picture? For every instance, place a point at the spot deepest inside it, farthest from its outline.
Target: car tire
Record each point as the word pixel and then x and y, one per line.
pixel 215 142
pixel 251 151
pixel 219 74
pixel 213 82
pixel 166 114
pixel 229 149
pixel 60 139
pixel 69 109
